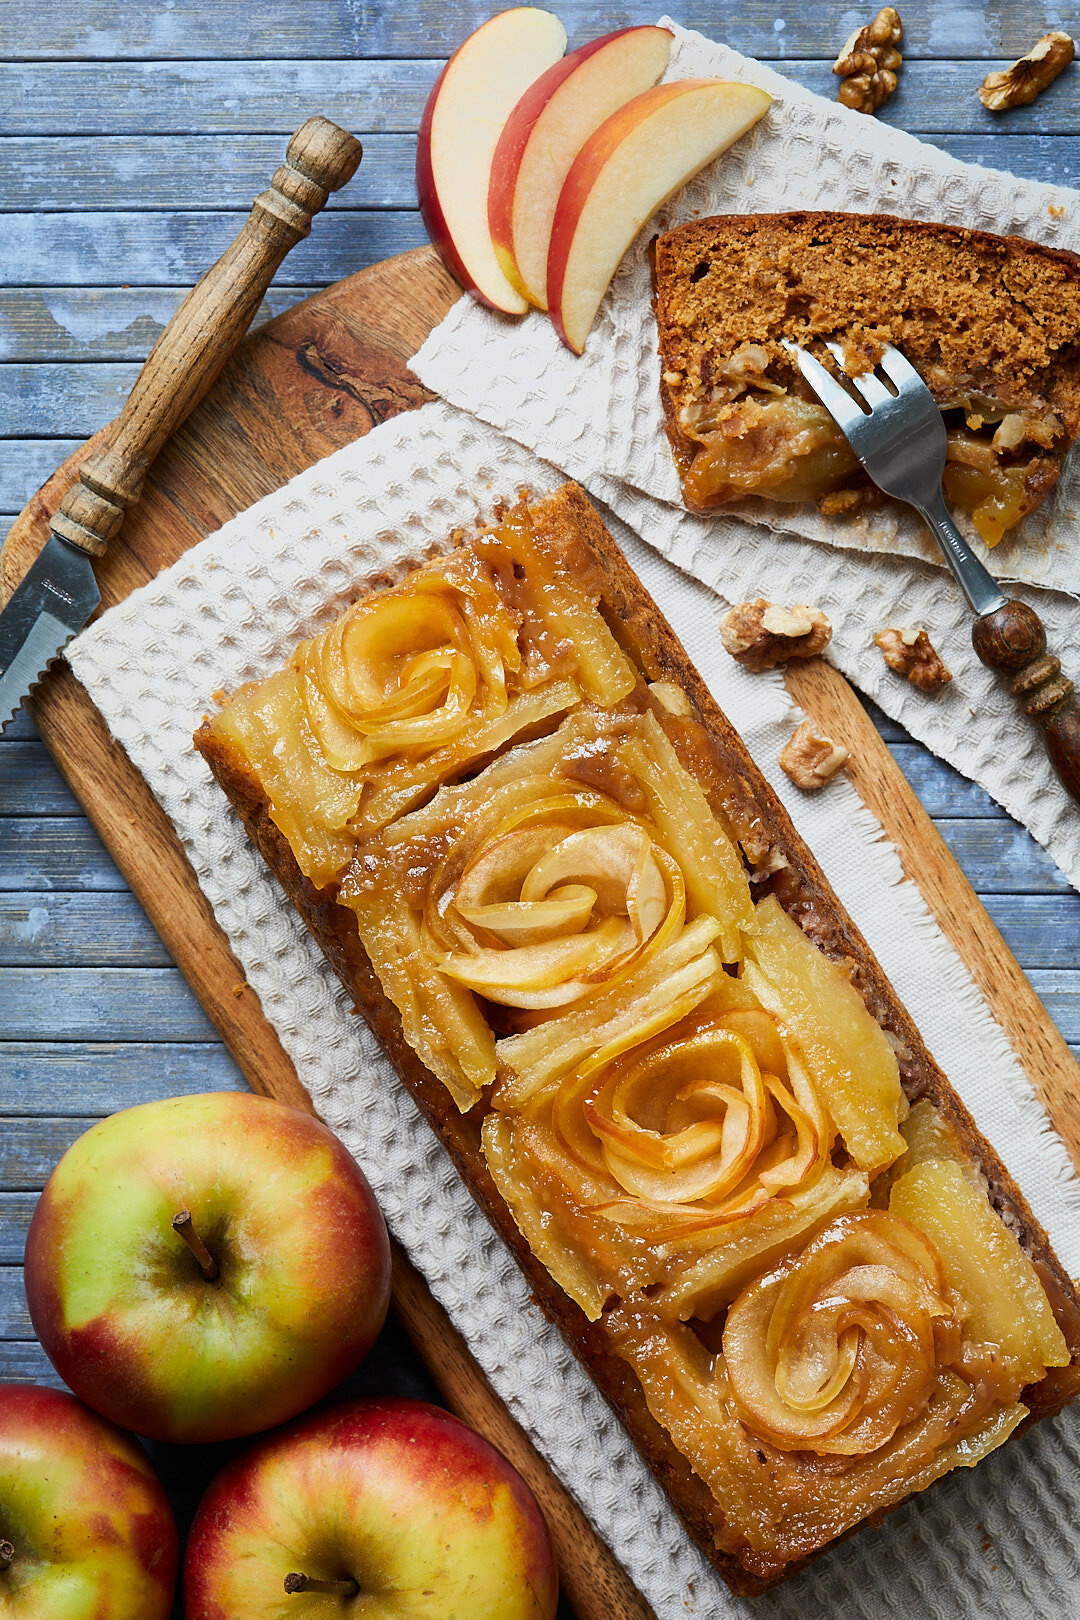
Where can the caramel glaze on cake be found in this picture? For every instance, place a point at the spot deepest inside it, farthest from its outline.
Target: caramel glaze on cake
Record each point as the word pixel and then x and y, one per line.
pixel 992 324
pixel 572 541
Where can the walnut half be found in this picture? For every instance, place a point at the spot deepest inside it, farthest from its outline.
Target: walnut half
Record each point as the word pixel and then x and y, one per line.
pixel 869 63
pixel 811 760
pixel 762 634
pixel 912 655
pixel 1028 77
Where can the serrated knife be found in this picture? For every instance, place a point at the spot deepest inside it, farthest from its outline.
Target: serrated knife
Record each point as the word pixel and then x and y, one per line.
pixel 59 592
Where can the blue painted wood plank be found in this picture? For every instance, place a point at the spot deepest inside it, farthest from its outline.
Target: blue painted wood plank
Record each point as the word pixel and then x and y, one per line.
pixel 1001 857
pixel 26 464
pixel 941 789
pixel 99 323
pixel 20 729
pixel 100 1004
pixel 212 97
pixel 54 853
pixel 16 1211
pixel 1042 931
pixel 230 29
pixel 73 400
pixel 48 172
pixel 95 1078
pixel 384 96
pixel 1059 991
pixel 79 930
pixel 891 730
pixel 14 1316
pixel 27 1363
pixel 30 784
pixel 30 1149
pixel 118 172
pixel 1054 159
pixel 174 249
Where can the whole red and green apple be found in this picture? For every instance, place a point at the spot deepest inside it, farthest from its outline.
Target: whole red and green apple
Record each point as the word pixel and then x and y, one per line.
pixel 386 1509
pixel 247 1311
pixel 85 1528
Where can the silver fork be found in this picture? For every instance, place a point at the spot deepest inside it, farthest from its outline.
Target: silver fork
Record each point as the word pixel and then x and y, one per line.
pixel 901 442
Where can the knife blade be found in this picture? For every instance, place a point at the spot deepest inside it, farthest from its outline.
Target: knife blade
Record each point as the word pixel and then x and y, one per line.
pixel 59 591
pixel 53 601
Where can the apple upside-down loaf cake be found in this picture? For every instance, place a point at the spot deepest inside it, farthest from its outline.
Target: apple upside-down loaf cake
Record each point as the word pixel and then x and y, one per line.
pixel 665 1061
pixel 992 323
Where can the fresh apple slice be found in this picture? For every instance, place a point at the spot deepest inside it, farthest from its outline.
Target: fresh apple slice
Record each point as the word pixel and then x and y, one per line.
pixel 465 113
pixel 546 131
pixel 627 170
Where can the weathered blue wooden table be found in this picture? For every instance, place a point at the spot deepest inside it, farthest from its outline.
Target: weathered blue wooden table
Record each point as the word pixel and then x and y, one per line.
pixel 132 139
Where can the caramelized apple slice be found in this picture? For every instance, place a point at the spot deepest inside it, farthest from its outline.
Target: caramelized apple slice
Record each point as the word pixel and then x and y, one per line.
pixel 852 1065
pixel 1006 1305
pixel 610 1020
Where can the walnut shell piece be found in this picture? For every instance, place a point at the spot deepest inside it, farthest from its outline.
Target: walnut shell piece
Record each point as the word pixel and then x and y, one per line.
pixel 869 63
pixel 810 759
pixel 1028 77
pixel 911 654
pixel 762 634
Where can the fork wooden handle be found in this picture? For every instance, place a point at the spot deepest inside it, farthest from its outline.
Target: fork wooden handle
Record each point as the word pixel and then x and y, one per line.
pixel 208 326
pixel 1012 639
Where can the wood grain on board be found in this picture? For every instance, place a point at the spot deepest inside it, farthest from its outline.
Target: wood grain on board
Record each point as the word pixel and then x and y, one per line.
pixel 317 377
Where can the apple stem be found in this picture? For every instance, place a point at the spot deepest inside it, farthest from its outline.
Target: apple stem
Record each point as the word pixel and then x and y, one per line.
pixel 308 1583
pixel 7 1555
pixel 184 1227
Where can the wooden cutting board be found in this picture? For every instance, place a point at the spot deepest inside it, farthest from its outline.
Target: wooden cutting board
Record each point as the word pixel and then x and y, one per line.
pixel 309 382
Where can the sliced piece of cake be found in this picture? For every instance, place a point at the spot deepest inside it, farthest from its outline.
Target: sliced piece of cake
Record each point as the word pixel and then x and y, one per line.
pixel 992 323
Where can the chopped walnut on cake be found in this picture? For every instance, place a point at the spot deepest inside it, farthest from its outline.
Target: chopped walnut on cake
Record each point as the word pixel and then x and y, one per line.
pixel 762 634
pixel 911 654
pixel 812 760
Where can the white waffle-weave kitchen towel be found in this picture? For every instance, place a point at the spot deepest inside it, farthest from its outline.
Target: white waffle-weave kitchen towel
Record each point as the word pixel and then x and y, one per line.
pixel 599 417
pixel 230 611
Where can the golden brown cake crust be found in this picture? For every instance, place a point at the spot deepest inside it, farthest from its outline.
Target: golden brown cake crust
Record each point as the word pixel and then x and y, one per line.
pixel 1000 313
pixel 711 747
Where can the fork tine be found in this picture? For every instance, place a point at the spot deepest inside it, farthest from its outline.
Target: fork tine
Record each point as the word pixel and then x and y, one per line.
pixel 872 390
pixel 899 368
pixel 828 390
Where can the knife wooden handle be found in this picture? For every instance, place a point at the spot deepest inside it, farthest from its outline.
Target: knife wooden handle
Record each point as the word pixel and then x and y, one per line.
pixel 1012 639
pixel 191 352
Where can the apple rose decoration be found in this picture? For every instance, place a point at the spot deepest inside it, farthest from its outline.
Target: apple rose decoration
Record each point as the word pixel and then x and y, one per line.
pixel 695 1119
pixel 408 669
pixel 677 1159
pixel 835 1349
pixel 414 684
pixel 552 895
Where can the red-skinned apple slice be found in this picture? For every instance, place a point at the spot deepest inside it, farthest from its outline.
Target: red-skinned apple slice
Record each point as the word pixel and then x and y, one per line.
pixel 624 173
pixel 464 117
pixel 546 131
